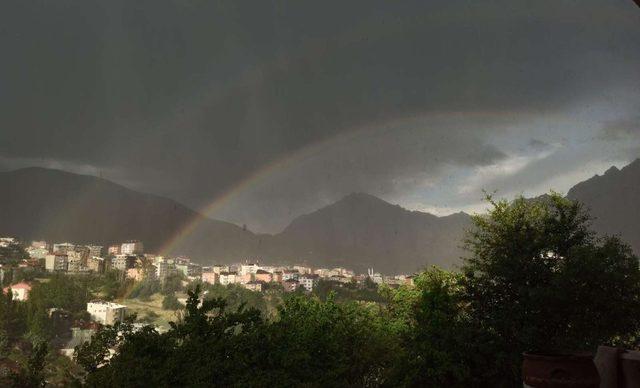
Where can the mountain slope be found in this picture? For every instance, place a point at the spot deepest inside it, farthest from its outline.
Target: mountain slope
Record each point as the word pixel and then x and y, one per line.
pixel 362 231
pixel 613 199
pixel 38 203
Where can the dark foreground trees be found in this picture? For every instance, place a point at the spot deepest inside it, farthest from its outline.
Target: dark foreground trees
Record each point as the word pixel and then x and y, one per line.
pixel 536 279
pixel 312 343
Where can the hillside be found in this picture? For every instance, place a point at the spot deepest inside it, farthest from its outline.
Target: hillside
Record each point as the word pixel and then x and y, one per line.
pixel 37 203
pixel 363 231
pixel 613 199
pixel 359 231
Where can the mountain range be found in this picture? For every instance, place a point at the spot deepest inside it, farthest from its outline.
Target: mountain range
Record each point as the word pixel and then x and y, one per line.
pixel 359 231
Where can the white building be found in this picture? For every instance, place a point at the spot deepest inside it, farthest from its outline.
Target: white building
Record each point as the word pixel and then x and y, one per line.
pixel 309 282
pixel 302 269
pixel 227 278
pixel 133 247
pixel 286 275
pixel 37 253
pixel 210 277
pixel 19 291
pixel 7 241
pixel 39 244
pixel 253 286
pixel 123 262
pixel 76 261
pixel 246 269
pixel 162 268
pixel 56 262
pixel 106 313
pixel 95 250
pixel 63 247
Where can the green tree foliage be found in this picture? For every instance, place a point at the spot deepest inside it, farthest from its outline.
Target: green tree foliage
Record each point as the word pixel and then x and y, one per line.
pixel 170 302
pixel 347 292
pixel 93 354
pixel 236 296
pixel 12 320
pixel 316 343
pixel 66 292
pixel 144 289
pixel 173 284
pixel 312 343
pixel 539 280
pixel 13 254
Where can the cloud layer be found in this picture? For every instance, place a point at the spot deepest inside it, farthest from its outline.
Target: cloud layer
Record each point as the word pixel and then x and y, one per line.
pixel 420 102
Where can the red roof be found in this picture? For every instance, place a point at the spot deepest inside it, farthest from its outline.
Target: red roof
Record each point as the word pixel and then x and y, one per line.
pixel 18 286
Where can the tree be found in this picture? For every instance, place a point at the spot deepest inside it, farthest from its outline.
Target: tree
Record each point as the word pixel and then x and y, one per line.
pixel 170 302
pixel 539 280
pixel 12 319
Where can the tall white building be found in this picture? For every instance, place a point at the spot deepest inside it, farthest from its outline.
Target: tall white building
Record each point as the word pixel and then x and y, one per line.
pixel 95 250
pixel 248 269
pixel 56 262
pixel 162 268
pixel 309 282
pixel 133 247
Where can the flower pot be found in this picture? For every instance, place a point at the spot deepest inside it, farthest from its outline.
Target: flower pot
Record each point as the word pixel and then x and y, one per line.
pixel 540 370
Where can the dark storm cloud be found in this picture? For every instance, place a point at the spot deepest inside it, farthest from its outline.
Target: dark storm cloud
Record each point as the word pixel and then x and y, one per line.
pixel 621 129
pixel 188 98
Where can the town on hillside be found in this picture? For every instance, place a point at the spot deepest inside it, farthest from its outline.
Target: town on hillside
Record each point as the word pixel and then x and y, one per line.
pixel 22 266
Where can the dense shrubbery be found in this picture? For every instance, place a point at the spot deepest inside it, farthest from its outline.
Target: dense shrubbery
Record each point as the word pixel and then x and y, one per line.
pixel 144 289
pixel 170 302
pixel 536 279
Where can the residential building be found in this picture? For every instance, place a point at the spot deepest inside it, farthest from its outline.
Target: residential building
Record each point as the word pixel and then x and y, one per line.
pixel 162 268
pixel 106 313
pixel 210 277
pixel 136 274
pixel 79 335
pixel 248 269
pixel 290 285
pixel 227 278
pixel 220 268
pixel 340 279
pixel 39 245
pixel 253 286
pixel 95 250
pixel 76 260
pixel 189 269
pixel 63 247
pixel 302 269
pixel 113 250
pixel 309 282
pixel 96 264
pixel 263 276
pixel 290 274
pixel 37 253
pixel 7 241
pixel 56 262
pixel 19 291
pixel 123 262
pixel 133 247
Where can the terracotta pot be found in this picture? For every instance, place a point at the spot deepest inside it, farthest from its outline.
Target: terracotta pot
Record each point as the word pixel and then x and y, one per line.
pixel 540 370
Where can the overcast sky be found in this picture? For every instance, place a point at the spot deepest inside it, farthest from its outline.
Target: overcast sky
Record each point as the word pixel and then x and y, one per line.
pixel 287 106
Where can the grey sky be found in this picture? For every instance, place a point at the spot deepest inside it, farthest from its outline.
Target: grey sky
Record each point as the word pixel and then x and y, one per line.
pixel 424 103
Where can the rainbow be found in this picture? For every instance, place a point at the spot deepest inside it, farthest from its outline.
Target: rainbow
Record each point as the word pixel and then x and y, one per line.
pixel 300 155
